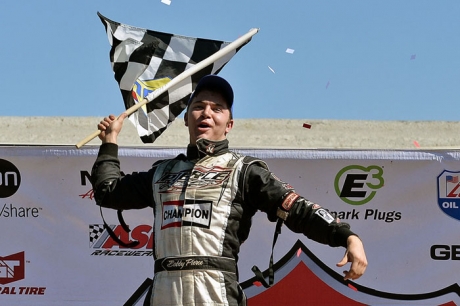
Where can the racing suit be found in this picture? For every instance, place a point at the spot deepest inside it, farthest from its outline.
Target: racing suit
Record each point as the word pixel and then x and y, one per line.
pixel 203 203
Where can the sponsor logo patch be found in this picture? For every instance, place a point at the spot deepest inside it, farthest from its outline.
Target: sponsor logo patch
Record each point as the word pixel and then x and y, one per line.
pixel 289 200
pixel 189 213
pixel 324 215
pixel 200 177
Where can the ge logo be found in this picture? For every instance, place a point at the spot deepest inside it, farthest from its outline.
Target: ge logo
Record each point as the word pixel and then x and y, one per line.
pixel 357 185
pixel 10 179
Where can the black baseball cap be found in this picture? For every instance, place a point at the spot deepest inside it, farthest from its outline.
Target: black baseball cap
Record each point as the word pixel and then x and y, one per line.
pixel 214 83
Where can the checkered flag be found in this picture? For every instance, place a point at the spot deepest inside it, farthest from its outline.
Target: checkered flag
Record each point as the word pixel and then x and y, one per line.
pixel 151 65
pixel 95 231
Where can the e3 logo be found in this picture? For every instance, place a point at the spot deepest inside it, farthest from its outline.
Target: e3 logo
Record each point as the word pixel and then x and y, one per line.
pixel 357 185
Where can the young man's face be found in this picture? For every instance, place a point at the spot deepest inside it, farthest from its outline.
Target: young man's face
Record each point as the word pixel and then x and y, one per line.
pixel 208 116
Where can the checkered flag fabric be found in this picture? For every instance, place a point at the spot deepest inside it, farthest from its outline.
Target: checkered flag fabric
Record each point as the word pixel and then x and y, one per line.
pixel 144 60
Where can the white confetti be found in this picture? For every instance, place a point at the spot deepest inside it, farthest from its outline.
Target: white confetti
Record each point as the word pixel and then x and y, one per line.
pixel 167 2
pixel 271 69
pixel 290 51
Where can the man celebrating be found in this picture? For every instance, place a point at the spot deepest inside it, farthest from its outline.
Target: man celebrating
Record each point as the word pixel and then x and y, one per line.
pixel 203 203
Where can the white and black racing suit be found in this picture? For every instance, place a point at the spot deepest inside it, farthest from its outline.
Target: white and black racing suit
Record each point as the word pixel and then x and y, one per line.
pixel 203 203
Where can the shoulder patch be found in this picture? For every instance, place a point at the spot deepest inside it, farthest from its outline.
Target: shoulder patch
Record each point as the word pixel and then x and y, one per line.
pixel 289 200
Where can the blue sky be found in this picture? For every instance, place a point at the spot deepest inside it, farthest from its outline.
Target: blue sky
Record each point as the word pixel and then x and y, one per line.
pixel 352 60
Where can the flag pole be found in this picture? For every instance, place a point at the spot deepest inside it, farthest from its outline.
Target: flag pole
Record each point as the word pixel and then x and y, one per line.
pixel 204 63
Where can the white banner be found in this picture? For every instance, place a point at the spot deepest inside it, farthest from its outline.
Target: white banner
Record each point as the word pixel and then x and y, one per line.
pixel 403 204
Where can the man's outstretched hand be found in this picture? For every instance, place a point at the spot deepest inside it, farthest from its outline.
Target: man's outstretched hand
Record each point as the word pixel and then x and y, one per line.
pixel 356 255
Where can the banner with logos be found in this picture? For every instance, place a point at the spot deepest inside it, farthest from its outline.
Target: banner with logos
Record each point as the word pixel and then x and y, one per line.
pixel 405 206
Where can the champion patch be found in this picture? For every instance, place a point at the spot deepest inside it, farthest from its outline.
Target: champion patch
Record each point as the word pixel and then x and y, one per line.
pixel 191 213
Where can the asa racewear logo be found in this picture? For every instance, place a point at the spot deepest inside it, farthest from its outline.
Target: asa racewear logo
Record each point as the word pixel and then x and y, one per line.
pixel 357 185
pixel 102 244
pixel 448 185
pixel 10 179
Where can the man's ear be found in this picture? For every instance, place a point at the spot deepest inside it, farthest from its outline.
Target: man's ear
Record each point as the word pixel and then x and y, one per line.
pixel 186 118
pixel 229 126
